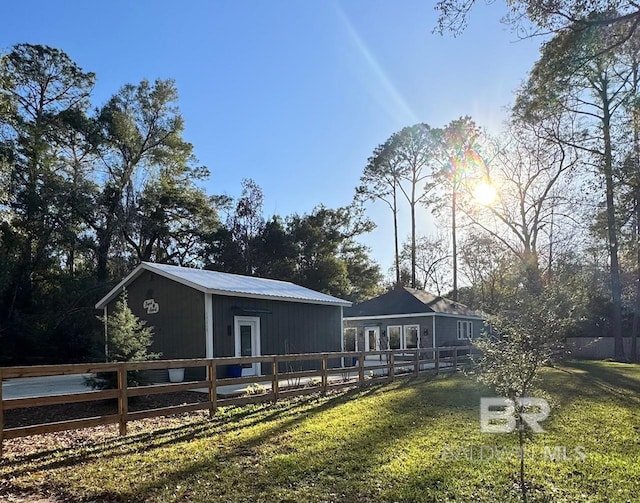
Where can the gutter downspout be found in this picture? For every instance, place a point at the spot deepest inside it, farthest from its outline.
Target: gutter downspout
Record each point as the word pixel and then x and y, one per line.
pixel 342 333
pixel 106 347
pixel 433 330
pixel 208 327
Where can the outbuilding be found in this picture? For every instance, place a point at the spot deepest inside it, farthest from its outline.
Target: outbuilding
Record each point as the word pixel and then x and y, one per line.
pixel 197 313
pixel 406 318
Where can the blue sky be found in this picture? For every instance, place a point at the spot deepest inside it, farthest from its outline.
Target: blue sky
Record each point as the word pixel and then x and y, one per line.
pixel 294 94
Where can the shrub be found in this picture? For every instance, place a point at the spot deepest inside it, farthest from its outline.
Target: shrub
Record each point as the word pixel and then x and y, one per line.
pixel 128 340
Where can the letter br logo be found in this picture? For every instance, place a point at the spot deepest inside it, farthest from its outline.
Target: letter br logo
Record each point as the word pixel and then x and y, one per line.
pixel 498 415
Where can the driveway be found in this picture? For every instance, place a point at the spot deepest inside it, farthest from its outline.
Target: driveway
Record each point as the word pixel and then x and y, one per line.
pixel 23 387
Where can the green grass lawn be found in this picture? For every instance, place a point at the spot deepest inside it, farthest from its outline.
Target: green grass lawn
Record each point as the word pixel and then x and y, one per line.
pixel 413 440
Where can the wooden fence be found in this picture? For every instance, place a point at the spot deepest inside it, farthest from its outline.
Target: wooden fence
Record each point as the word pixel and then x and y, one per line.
pixel 366 368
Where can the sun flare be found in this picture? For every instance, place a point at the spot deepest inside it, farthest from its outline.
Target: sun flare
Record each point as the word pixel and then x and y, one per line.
pixel 485 193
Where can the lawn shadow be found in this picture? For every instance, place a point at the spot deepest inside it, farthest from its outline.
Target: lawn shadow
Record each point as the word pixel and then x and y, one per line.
pixel 227 420
pixel 597 381
pixel 374 433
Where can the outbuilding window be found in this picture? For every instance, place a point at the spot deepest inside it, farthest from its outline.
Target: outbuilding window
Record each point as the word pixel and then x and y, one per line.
pixel 465 330
pixel 411 333
pixel 350 339
pixel 394 333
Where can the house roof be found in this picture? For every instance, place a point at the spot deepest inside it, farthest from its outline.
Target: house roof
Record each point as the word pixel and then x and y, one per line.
pixel 222 283
pixel 405 301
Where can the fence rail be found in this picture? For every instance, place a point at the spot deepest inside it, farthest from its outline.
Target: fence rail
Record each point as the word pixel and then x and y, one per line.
pixel 386 366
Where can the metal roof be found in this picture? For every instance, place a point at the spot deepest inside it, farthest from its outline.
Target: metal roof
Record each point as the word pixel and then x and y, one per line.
pixel 222 283
pixel 404 300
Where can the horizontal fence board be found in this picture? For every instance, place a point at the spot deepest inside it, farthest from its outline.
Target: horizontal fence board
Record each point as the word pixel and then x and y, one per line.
pixel 40 401
pixel 156 389
pixel 298 375
pixel 236 360
pixel 27 431
pixel 343 354
pixel 167 364
pixel 233 381
pixel 342 370
pixel 300 357
pixel 92 368
pixel 57 370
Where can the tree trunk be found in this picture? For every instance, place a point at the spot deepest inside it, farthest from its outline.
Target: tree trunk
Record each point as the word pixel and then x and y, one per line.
pixel 636 190
pixel 413 245
pixel 454 245
pixel 523 483
pixel 395 234
pixel 636 316
pixel 616 286
pixel 102 253
pixel 636 310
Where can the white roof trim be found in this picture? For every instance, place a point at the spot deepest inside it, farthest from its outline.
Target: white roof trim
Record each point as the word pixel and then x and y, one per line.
pixel 410 315
pixel 115 291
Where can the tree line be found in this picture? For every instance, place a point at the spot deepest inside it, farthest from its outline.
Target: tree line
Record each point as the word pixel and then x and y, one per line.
pixel 546 213
pixel 550 208
pixel 87 193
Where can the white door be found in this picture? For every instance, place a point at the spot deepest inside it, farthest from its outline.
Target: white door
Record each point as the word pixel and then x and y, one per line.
pixel 247 341
pixel 372 338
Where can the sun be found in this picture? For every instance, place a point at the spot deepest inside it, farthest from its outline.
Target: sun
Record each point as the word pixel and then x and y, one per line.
pixel 485 193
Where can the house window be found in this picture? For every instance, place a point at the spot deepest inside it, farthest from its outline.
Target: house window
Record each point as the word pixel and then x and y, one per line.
pixel 411 333
pixel 465 330
pixel 395 336
pixel 350 335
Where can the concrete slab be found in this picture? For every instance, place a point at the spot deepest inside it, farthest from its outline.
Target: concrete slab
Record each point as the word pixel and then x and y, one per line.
pixel 24 387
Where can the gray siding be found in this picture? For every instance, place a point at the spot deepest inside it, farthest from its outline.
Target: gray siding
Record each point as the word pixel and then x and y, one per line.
pixel 285 327
pixel 425 323
pixel 446 329
pixel 178 326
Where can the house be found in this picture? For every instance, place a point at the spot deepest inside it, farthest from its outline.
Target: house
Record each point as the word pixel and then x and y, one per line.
pixel 406 318
pixel 203 314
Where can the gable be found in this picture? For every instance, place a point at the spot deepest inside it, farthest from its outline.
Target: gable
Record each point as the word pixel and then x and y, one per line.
pixel 218 283
pixel 404 300
pixel 396 301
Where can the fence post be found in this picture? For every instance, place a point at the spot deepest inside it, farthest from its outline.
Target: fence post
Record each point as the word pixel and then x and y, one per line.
pixel 324 373
pixel 123 405
pixel 455 359
pixel 392 367
pixel 361 368
pixel 213 392
pixel 436 355
pixel 275 382
pixel 1 415
pixel 416 360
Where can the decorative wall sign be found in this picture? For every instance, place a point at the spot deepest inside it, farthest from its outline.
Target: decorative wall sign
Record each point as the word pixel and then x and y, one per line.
pixel 151 306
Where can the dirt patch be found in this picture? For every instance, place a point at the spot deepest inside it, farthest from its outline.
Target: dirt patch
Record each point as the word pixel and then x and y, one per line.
pixel 54 413
pixel 41 444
